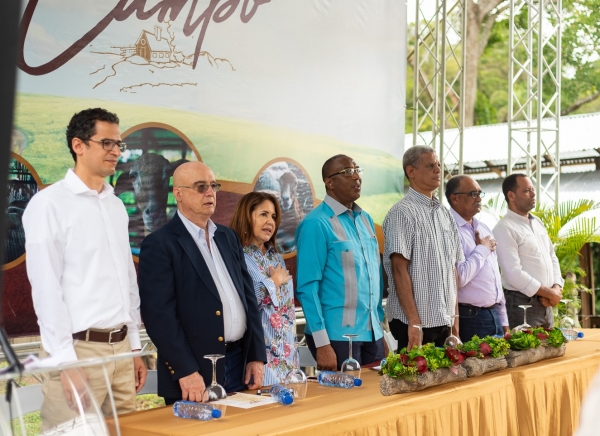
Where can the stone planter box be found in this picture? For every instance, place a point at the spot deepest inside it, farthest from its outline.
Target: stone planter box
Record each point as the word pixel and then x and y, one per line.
pixel 476 367
pixel 390 386
pixel 525 357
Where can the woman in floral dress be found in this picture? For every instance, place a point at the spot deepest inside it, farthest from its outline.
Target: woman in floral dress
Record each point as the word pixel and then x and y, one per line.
pixel 256 220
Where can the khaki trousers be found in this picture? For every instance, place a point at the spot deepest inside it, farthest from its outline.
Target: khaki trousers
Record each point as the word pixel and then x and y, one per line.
pixel 54 409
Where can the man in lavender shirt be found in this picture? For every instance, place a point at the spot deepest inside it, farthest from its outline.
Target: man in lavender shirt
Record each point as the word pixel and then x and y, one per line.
pixel 481 305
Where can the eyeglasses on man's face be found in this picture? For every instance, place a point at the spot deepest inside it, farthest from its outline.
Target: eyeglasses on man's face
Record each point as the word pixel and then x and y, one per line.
pixel 203 187
pixel 109 144
pixel 473 194
pixel 348 172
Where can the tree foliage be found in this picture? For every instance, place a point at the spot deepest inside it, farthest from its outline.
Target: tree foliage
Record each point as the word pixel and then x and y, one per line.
pixel 488 55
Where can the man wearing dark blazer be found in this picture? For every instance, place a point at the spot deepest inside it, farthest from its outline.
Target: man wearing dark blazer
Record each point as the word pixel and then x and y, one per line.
pixel 197 297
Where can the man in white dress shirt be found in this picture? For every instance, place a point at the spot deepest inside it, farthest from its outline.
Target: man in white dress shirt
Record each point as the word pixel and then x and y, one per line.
pixel 83 280
pixel 530 269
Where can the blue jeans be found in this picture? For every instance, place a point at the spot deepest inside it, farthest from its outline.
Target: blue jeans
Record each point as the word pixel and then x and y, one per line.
pixel 478 321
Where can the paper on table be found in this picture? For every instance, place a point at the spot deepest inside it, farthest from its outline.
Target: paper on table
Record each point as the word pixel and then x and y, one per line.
pixel 245 401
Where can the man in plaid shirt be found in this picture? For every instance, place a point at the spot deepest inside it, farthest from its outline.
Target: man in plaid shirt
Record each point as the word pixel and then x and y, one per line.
pixel 422 247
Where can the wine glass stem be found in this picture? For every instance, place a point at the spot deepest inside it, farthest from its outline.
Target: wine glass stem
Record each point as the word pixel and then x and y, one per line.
pixel 525 315
pixel 350 350
pixel 214 379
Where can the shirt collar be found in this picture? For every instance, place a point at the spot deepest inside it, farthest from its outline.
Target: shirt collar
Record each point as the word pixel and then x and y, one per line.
pixel 76 185
pixel 253 248
pixel 422 199
pixel 515 216
pixel 337 207
pixel 460 221
pixel 195 230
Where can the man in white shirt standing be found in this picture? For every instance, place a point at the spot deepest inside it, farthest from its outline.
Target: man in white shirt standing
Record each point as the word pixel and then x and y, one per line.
pixel 83 280
pixel 530 269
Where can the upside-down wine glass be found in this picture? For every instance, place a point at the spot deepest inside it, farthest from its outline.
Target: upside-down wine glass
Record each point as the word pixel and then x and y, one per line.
pixel 295 379
pixel 351 365
pixel 215 391
pixel 452 341
pixel 523 326
pixel 566 321
pixel 420 327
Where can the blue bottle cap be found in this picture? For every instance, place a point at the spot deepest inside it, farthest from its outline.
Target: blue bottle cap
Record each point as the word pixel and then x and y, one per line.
pixel 357 382
pixel 288 399
pixel 580 334
pixel 216 413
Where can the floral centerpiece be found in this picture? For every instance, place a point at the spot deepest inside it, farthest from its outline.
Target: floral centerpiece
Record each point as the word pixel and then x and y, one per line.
pixel 535 344
pixel 484 354
pixel 418 369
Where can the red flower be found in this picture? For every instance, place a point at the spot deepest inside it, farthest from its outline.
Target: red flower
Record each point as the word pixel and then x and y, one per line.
pixel 455 356
pixel 276 361
pixel 547 329
pixel 421 364
pixel 542 336
pixel 529 332
pixel 287 349
pixel 485 348
pixel 404 359
pixel 471 353
pixel 276 321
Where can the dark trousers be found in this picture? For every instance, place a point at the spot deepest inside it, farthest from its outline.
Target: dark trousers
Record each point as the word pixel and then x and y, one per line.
pixel 478 321
pixel 363 352
pixel 234 371
pixel 436 335
pixel 537 315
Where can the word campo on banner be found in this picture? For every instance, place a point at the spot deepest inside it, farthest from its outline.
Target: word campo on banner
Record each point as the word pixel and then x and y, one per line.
pixel 123 11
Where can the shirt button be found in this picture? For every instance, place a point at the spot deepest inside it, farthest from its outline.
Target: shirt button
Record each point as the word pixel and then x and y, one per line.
pixel 172 372
pixel 218 313
pixel 220 338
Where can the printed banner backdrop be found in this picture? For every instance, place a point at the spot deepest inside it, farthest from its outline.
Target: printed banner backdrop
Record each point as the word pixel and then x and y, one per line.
pixel 262 91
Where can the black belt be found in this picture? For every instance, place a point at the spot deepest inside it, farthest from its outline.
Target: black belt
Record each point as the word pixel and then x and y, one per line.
pixel 477 307
pixel 232 345
pixel 93 335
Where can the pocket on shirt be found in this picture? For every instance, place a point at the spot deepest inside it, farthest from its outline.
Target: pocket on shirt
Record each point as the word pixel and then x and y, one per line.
pixel 343 246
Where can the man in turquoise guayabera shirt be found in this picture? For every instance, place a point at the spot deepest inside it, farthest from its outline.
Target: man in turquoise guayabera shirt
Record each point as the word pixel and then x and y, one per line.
pixel 339 275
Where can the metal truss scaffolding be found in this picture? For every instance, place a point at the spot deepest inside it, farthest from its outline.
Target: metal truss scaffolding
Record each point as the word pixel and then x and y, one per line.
pixel 535 59
pixel 439 81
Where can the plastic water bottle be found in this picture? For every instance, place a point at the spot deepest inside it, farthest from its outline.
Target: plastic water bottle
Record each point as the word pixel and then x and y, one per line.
pixel 571 334
pixel 338 379
pixel 283 395
pixel 191 410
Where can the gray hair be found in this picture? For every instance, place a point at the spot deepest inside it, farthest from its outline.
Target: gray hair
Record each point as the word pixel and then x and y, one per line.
pixel 453 185
pixel 412 156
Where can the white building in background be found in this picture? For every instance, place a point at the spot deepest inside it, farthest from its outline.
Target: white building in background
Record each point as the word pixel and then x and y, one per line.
pixel 485 155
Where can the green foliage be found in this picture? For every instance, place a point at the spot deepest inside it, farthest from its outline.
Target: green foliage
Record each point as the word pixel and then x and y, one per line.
pixel 396 369
pixel 436 357
pixel 485 113
pixel 523 341
pixel 499 346
pixel 555 338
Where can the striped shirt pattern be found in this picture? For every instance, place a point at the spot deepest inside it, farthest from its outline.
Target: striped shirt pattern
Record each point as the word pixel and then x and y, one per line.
pixel 424 232
pixel 276 307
